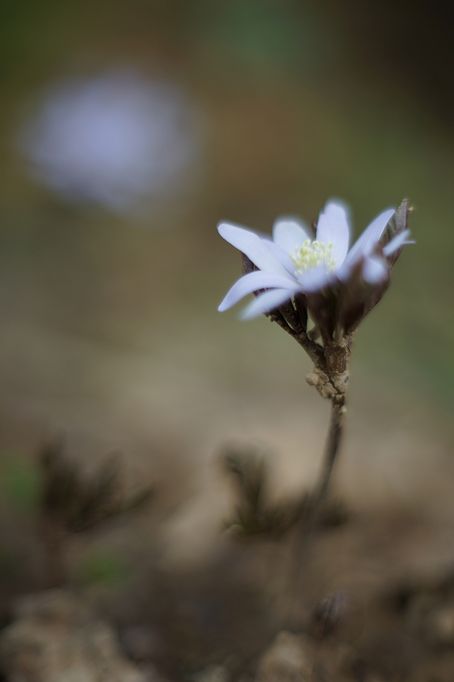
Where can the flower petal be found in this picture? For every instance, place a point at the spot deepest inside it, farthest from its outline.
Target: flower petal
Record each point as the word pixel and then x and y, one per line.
pixel 266 302
pixel 281 255
pixel 396 243
pixel 252 246
pixel 314 279
pixel 289 234
pixel 254 281
pixel 375 270
pixel 333 228
pixel 365 244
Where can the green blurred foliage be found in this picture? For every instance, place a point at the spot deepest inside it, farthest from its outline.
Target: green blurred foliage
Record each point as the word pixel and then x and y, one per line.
pixel 20 483
pixel 104 568
pixel 262 36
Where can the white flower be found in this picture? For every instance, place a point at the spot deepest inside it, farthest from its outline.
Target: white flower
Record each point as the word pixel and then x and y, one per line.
pixel 293 262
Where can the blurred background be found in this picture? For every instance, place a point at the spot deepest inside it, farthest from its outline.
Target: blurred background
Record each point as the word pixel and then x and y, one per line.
pixel 128 131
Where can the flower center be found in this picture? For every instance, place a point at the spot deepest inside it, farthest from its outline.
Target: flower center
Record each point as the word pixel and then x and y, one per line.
pixel 313 253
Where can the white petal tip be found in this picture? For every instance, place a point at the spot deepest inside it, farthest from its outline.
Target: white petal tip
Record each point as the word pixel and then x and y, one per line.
pixel 289 233
pixel 333 228
pixel 222 227
pixel 337 203
pixel 249 312
pixel 397 243
pixel 375 271
pixel 265 303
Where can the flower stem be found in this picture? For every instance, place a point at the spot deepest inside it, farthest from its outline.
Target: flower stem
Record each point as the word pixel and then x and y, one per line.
pixel 331 455
pixel 305 532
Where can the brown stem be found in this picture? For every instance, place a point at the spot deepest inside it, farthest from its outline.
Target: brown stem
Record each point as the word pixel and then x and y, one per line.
pixel 307 528
pixel 332 449
pixel 330 377
pixel 337 364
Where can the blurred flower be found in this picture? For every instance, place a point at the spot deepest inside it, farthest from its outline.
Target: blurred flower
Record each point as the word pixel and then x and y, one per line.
pixel 112 140
pixel 321 272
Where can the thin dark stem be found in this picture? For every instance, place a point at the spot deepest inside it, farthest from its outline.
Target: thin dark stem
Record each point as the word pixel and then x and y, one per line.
pixel 319 495
pixel 307 528
pixel 336 359
pixel 332 449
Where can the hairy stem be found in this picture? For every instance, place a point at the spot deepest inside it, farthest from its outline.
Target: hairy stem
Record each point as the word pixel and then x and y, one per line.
pixel 330 377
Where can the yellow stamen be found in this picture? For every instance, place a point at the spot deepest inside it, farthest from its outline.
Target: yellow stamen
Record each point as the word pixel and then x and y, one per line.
pixel 313 253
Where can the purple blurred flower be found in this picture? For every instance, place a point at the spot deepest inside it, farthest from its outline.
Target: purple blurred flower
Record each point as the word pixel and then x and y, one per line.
pixel 112 140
